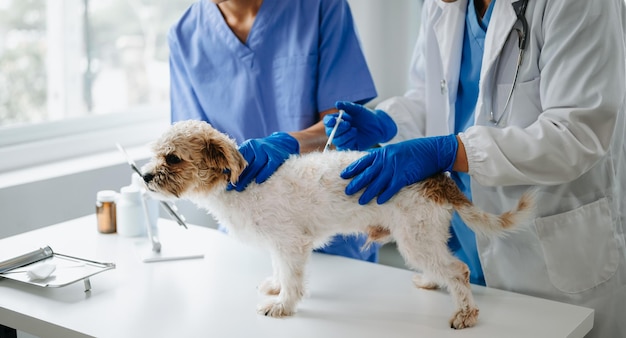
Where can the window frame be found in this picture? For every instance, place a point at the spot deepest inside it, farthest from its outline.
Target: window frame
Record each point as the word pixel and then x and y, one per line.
pixel 32 145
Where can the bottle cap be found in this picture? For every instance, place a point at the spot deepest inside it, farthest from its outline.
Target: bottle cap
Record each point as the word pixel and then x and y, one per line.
pixel 130 191
pixel 137 181
pixel 106 196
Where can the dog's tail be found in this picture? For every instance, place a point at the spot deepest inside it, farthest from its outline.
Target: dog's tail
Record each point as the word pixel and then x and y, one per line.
pixel 482 222
pixel 488 224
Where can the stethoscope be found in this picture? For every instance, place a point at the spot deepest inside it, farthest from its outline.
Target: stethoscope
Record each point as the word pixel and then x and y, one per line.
pixel 520 11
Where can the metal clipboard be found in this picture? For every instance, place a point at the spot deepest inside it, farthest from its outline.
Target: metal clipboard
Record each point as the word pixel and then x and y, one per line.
pixel 68 269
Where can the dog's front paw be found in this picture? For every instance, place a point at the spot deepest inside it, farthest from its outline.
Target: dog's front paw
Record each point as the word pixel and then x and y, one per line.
pixel 270 287
pixel 464 318
pixel 274 309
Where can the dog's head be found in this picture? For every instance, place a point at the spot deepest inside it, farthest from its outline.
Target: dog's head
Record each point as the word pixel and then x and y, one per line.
pixel 192 157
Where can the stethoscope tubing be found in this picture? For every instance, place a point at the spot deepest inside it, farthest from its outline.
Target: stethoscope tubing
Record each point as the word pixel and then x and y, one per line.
pixel 520 11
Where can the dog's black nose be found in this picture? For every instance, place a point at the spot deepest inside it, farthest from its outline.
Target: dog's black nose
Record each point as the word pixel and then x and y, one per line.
pixel 148 177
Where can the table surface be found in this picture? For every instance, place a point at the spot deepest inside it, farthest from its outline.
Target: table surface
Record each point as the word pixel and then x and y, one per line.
pixel 216 296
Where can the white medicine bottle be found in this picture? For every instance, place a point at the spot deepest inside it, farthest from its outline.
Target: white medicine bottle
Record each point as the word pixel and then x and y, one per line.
pixel 131 219
pixel 151 203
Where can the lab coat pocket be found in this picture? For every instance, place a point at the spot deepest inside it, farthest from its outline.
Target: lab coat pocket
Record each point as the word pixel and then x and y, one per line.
pixel 524 107
pixel 579 247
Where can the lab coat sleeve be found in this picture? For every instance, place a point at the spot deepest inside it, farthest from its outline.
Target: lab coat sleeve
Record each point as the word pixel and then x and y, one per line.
pixel 579 50
pixel 184 104
pixel 408 111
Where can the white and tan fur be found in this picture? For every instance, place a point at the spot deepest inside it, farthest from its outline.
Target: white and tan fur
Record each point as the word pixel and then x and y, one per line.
pixel 303 204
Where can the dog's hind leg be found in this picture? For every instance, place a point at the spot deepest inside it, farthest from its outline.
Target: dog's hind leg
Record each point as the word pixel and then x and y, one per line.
pixel 459 287
pixel 290 267
pixel 442 268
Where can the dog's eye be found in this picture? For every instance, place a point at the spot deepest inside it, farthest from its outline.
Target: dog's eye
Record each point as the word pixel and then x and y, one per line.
pixel 172 159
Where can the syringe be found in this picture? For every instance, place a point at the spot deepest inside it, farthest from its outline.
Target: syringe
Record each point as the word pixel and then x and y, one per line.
pixel 332 132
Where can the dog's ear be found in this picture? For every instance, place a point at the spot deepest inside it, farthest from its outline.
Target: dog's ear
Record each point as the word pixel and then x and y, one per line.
pixel 225 157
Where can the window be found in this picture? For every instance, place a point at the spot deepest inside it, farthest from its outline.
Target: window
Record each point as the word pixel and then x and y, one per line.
pixel 74 68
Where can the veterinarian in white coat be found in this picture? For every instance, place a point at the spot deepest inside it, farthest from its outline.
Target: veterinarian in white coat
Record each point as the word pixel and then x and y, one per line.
pixel 562 131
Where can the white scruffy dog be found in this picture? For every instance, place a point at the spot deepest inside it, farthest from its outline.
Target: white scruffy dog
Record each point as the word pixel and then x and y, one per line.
pixel 303 204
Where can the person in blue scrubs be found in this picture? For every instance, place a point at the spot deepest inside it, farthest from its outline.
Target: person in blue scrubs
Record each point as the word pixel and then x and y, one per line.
pixel 265 73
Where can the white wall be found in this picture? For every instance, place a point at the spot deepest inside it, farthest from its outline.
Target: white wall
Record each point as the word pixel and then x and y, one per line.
pixel 388 31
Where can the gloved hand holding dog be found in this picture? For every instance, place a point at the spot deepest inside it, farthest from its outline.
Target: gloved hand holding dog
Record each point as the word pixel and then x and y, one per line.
pixel 264 156
pixel 384 171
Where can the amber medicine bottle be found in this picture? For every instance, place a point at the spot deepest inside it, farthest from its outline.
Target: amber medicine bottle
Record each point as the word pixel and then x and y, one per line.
pixel 105 211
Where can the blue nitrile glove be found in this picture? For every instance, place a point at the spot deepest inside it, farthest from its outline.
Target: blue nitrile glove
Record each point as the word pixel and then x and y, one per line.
pixel 384 171
pixel 361 128
pixel 264 156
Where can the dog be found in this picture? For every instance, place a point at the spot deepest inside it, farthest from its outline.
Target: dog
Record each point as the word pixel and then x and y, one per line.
pixel 303 204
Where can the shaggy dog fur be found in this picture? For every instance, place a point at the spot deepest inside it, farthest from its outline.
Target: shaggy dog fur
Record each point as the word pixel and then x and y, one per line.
pixel 303 204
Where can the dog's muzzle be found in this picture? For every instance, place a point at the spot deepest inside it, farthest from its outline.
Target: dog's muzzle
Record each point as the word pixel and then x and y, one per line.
pixel 148 177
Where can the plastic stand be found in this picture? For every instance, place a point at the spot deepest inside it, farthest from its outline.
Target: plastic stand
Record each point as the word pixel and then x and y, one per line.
pixel 157 252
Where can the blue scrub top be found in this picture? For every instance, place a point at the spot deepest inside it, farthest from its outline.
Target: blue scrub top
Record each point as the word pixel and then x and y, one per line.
pixel 301 56
pixel 463 240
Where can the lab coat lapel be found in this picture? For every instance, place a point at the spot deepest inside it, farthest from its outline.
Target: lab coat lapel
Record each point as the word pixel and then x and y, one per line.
pixel 448 29
pixel 502 21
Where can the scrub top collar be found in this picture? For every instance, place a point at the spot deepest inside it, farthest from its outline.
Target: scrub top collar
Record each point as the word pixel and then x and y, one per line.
pixel 255 36
pixel 484 21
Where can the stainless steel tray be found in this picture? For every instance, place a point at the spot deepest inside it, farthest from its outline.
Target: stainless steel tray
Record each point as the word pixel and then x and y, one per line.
pixel 68 270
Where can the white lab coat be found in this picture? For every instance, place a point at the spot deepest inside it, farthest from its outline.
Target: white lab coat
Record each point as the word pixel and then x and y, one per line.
pixel 563 132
